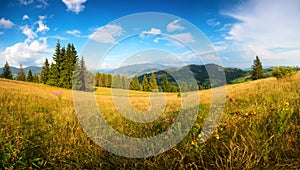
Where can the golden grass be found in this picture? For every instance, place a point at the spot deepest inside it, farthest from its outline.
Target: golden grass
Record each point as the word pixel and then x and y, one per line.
pixel 259 128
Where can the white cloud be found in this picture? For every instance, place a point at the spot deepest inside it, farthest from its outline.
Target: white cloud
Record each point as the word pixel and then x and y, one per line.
pixel 25 17
pixel 107 33
pixel 25 2
pixel 74 32
pixel 28 32
pixel 213 22
pixel 184 37
pixel 174 25
pixel 42 17
pixel 42 27
pixel 1 32
pixel 26 53
pixel 153 31
pixel 177 40
pixel 39 3
pixel 6 23
pixel 265 26
pixel 74 5
pixel 42 4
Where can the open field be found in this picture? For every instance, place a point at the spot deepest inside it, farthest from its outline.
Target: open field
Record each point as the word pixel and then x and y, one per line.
pixel 259 129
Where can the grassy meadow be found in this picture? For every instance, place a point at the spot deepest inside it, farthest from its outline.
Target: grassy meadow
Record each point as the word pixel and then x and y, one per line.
pixel 259 129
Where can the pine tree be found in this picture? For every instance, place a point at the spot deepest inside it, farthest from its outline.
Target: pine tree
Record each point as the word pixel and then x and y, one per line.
pixel 36 78
pixel 63 69
pixel 134 84
pixel 97 79
pixel 29 76
pixel 166 86
pixel 257 70
pixel 6 71
pixel 145 84
pixel 45 72
pixel 53 75
pixel 124 82
pixel 21 74
pixel 81 80
pixel 77 83
pixel 57 58
pixel 153 83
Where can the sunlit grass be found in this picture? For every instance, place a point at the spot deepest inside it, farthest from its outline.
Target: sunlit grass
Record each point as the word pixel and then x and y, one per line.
pixel 259 128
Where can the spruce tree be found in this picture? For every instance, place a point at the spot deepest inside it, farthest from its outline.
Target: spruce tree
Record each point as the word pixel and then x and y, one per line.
pixel 84 73
pixel 29 76
pixel 77 83
pixel 36 78
pixel 53 75
pixel 57 58
pixel 134 84
pixel 21 74
pixel 6 71
pixel 145 84
pixel 97 79
pixel 45 72
pixel 257 70
pixel 63 69
pixel 153 83
pixel 166 86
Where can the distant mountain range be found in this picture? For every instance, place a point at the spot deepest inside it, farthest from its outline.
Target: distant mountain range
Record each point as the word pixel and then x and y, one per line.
pixel 15 70
pixel 138 69
pixel 190 73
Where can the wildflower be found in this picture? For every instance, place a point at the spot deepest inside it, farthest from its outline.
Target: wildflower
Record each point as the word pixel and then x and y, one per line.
pixel 287 103
pixel 217 136
pixel 58 94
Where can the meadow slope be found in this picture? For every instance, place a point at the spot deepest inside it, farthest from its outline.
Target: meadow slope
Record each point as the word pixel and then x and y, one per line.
pixel 259 129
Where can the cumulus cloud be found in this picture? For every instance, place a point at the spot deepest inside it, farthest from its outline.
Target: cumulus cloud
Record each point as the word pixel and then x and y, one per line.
pixel 265 26
pixel 174 25
pixel 152 31
pixel 74 5
pixel 26 53
pixel 4 23
pixel 28 32
pixel 107 33
pixel 42 27
pixel 74 32
pixel 25 17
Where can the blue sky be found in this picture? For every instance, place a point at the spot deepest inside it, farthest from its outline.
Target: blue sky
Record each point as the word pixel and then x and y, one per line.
pixel 230 33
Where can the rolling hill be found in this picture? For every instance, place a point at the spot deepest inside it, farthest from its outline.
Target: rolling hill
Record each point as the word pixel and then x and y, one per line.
pixel 199 73
pixel 14 70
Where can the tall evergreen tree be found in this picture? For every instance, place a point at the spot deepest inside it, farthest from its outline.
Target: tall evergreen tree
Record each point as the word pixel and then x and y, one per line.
pixel 97 79
pixel 80 79
pixel 166 86
pixel 153 83
pixel 6 71
pixel 134 84
pixel 257 70
pixel 29 76
pixel 57 58
pixel 45 72
pixel 21 74
pixel 53 75
pixel 36 78
pixel 145 84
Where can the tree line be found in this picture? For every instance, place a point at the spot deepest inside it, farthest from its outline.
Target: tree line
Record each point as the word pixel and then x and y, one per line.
pixel 124 82
pixel 68 71
pixel 65 71
pixel 21 76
